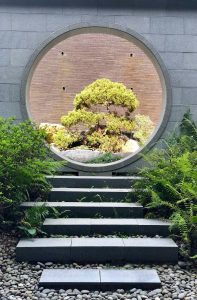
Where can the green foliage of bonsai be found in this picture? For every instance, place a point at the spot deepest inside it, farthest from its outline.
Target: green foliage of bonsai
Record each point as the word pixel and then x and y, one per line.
pixel 170 179
pixel 143 128
pixel 105 92
pixel 102 119
pixel 105 142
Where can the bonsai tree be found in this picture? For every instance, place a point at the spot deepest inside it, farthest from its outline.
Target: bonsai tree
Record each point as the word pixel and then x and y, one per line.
pixel 102 119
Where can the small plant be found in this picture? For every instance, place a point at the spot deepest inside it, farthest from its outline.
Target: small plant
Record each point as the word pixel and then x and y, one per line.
pixel 55 213
pixel 32 221
pixel 33 218
pixel 98 216
pixel 105 158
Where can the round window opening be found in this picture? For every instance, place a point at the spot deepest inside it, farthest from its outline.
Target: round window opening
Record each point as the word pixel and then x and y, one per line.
pixel 100 95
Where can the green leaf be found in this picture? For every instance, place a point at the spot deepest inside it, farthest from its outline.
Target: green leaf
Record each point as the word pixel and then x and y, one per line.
pixel 32 231
pixel 194 219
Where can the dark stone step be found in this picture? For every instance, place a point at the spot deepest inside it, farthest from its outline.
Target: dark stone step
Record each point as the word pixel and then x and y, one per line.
pixel 94 209
pixel 93 181
pixel 89 194
pixel 108 279
pixel 76 226
pixel 98 250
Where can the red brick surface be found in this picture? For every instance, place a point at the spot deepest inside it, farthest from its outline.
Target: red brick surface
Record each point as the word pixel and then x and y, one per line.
pixel 79 60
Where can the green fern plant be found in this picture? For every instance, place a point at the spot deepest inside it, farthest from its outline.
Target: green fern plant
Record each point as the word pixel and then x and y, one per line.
pixel 31 224
pixel 170 178
pixel 32 221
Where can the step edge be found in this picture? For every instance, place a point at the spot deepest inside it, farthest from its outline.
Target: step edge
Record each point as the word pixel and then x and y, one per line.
pixel 65 203
pixel 136 220
pixel 20 245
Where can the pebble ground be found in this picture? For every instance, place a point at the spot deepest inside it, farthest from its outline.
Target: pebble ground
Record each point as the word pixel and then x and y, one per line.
pixel 19 281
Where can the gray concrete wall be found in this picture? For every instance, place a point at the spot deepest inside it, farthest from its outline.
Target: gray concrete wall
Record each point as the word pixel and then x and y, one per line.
pixel 170 25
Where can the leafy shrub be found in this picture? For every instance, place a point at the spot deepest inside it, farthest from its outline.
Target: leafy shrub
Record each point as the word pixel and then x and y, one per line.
pixel 96 121
pixel 171 182
pixel 24 162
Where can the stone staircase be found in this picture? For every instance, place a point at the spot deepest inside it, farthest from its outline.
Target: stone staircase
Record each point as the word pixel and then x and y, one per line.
pixel 96 205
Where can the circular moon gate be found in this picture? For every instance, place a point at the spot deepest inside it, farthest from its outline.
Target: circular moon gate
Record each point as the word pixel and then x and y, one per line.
pixel 71 59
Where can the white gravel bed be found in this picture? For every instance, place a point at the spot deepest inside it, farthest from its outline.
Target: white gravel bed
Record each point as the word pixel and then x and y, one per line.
pixel 19 281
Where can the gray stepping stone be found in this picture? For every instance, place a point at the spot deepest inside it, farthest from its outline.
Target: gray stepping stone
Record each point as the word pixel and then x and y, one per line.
pixel 92 181
pixel 90 209
pixel 70 278
pixel 150 250
pixel 135 250
pixel 90 194
pixel 97 249
pixel 105 226
pixel 44 249
pixel 143 279
pixel 99 279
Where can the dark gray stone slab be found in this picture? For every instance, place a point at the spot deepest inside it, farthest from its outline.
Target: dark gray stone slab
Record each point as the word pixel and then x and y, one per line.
pixel 105 226
pixel 124 210
pixel 99 279
pixel 150 250
pixel 110 226
pixel 153 227
pixel 44 249
pixel 97 250
pixel 70 278
pixel 88 194
pixel 143 279
pixel 67 226
pixel 92 181
pixel 93 209
pixel 89 226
